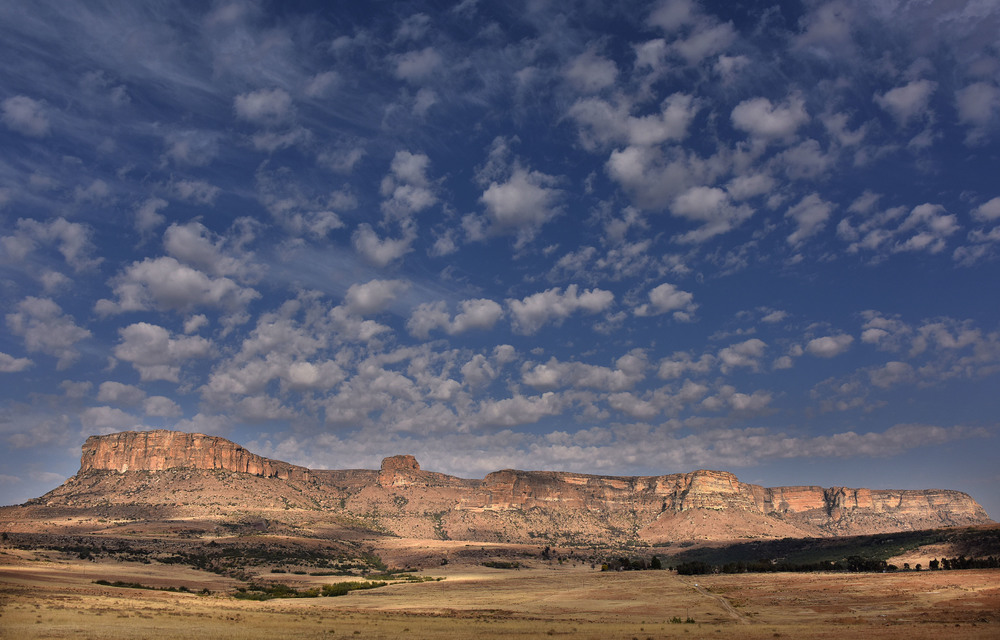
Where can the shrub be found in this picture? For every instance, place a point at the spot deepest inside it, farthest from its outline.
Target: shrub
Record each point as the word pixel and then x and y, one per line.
pixel 498 564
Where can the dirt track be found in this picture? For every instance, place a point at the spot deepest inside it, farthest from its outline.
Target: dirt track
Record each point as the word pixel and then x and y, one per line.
pixel 736 615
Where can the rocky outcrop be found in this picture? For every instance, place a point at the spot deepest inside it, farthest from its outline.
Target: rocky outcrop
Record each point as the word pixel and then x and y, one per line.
pixel 400 463
pixel 161 450
pixel 399 471
pixel 406 500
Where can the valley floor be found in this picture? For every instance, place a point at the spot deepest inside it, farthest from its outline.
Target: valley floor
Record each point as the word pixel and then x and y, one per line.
pixel 53 595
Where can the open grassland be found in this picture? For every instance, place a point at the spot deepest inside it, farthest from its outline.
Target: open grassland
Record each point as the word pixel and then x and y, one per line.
pixel 53 595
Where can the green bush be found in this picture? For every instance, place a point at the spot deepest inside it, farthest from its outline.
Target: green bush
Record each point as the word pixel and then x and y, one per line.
pixel 343 588
pixel 277 590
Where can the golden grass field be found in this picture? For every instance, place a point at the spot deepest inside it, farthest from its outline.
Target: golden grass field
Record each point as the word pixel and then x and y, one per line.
pixel 46 594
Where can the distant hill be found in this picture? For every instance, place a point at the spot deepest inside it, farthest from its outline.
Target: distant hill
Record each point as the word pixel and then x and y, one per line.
pixel 205 481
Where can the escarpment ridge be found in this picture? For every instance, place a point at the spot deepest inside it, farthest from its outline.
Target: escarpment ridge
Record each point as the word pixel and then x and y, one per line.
pixel 161 449
pixel 150 469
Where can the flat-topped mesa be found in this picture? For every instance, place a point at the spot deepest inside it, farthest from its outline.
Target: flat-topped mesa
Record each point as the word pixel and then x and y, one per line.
pixel 405 463
pixel 514 502
pixel 161 450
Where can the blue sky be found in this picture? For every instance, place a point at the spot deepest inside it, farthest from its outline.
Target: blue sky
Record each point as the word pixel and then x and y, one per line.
pixel 622 238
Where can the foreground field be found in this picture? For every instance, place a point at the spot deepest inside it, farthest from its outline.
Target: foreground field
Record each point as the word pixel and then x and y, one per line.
pixel 46 595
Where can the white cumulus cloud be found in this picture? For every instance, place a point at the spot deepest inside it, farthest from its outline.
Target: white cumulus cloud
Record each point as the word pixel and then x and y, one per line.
pixel 112 392
pixel 743 354
pixel 810 216
pixel 73 240
pixel 535 311
pixel 829 346
pixel 907 102
pixel 474 314
pixel 988 211
pixel 667 298
pixel 380 251
pixel 167 285
pixel 418 66
pixel 406 188
pixel 263 106
pixel 767 121
pixel 373 296
pixel 26 116
pixel 603 123
pixel 522 204
pixel 155 354
pixel 45 328
pixel 710 207
pixel 10 364
pixel 590 72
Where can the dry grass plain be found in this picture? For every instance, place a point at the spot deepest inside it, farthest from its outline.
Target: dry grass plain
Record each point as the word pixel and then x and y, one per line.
pixel 45 594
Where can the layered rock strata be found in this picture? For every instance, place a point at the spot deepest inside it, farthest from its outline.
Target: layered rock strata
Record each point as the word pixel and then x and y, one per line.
pixel 161 449
pixel 406 500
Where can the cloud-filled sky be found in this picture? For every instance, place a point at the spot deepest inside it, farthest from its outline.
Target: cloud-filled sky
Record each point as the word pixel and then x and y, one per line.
pixel 619 238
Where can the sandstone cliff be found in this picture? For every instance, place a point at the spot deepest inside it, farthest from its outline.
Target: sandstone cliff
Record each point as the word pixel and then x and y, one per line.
pixel 509 505
pixel 159 450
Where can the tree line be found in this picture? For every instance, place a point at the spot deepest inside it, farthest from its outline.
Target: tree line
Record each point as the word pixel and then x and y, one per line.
pixel 961 562
pixel 852 564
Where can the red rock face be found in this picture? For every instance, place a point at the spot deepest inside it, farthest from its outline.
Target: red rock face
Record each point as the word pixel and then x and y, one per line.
pixel 714 490
pixel 160 450
pixel 794 499
pixel 587 504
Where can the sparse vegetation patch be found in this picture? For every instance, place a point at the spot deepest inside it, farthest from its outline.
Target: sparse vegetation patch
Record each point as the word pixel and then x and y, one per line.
pixel 122 584
pixel 278 590
pixel 500 564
